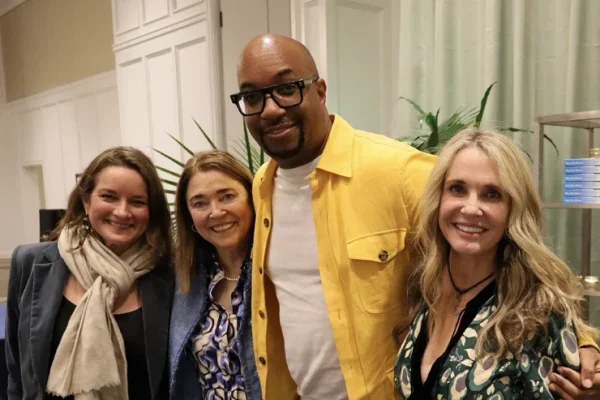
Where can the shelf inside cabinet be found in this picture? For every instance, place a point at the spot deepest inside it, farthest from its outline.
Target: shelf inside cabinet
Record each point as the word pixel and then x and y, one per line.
pixel 574 206
pixel 592 293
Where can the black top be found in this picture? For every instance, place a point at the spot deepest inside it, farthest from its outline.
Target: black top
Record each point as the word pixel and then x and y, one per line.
pixel 131 325
pixel 420 390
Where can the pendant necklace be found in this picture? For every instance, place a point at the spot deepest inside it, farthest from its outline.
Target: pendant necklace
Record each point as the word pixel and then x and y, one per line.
pixel 460 292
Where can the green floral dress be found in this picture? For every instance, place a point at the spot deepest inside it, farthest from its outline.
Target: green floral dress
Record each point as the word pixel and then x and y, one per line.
pixel 458 374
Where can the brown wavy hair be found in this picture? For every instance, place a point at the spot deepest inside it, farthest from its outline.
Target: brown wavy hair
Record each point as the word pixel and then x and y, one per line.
pixel 532 282
pixel 158 233
pixel 190 246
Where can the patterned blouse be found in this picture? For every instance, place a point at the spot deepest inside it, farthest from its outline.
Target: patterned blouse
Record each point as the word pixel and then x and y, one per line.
pixel 458 374
pixel 216 348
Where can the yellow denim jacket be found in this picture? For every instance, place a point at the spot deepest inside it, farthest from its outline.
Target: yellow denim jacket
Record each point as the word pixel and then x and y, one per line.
pixel 366 190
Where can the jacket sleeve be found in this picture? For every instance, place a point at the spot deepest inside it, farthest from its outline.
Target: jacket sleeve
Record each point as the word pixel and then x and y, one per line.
pixel 15 389
pixel 559 348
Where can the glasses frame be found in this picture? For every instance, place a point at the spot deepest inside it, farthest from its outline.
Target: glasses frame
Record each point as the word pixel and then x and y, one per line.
pixel 268 90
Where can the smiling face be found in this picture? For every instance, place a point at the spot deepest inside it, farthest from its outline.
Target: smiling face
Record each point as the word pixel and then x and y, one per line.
pixel 118 207
pixel 220 210
pixel 474 208
pixel 292 136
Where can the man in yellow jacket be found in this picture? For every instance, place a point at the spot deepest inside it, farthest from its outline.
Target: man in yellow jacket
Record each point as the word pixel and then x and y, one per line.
pixel 334 207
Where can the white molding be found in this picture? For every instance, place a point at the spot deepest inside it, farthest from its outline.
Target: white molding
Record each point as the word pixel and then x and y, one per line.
pixel 177 9
pixel 159 32
pixel 94 84
pixel 8 5
pixel 216 69
pixel 146 21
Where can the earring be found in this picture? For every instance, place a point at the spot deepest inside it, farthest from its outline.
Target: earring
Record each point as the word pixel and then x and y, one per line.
pixel 194 229
pixel 84 230
pixel 86 223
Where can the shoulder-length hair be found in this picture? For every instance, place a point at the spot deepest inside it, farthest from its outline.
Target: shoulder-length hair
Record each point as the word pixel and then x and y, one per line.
pixel 158 233
pixel 190 246
pixel 532 282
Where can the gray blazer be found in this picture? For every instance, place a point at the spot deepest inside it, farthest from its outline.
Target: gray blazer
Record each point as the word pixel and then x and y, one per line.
pixel 35 289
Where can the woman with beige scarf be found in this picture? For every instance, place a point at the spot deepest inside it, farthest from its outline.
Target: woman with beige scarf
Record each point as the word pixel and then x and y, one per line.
pixel 88 312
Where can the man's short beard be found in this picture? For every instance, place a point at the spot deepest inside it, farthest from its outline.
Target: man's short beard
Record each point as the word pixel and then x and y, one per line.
pixel 286 154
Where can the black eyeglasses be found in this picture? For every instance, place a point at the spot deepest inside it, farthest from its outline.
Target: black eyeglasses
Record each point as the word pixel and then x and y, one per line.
pixel 286 95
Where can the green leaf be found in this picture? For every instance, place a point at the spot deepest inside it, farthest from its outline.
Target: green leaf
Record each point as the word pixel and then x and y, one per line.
pixel 190 152
pixel 511 129
pixel 431 121
pixel 461 119
pixel 210 142
pixel 168 182
pixel 167 171
pixel 483 105
pixel 415 106
pixel 182 165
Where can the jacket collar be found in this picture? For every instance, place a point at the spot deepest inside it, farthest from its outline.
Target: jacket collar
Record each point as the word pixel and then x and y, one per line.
pixel 335 159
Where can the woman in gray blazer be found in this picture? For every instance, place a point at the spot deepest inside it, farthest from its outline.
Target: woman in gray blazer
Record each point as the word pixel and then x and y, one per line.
pixel 88 312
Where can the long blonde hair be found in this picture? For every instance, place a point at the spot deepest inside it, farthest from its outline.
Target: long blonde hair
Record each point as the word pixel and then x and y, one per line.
pixel 532 282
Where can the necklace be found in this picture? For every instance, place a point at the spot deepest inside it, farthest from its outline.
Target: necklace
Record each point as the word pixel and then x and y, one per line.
pixel 460 292
pixel 231 279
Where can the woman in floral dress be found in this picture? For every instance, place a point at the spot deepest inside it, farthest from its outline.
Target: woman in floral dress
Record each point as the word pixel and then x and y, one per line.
pixel 210 343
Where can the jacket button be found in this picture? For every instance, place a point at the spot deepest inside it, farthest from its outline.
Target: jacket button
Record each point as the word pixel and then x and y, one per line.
pixel 260 270
pixel 261 314
pixel 262 360
pixel 266 222
pixel 383 255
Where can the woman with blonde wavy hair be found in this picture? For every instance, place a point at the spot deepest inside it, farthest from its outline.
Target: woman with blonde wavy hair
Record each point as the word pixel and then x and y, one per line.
pixel 493 312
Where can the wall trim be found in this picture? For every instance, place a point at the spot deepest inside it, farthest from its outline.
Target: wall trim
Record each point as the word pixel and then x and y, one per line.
pixel 8 5
pixel 81 88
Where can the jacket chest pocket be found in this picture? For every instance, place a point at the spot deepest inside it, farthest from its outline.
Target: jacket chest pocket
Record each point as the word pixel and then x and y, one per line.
pixel 377 269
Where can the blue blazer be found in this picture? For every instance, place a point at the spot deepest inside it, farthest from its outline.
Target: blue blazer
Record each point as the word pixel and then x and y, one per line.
pixel 35 289
pixel 186 315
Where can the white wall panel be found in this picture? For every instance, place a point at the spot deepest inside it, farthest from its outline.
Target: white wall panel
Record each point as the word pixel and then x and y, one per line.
pixel 71 147
pixel 109 131
pixel 54 184
pixel 133 104
pixel 87 123
pixel 126 15
pixel 154 10
pixel 348 41
pixel 363 66
pixel 194 82
pixel 162 98
pixel 31 139
pixel 179 5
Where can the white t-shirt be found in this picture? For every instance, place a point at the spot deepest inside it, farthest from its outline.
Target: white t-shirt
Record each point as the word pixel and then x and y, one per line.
pixel 293 267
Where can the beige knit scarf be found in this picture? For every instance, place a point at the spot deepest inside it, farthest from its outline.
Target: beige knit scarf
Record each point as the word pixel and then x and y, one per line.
pixel 90 360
